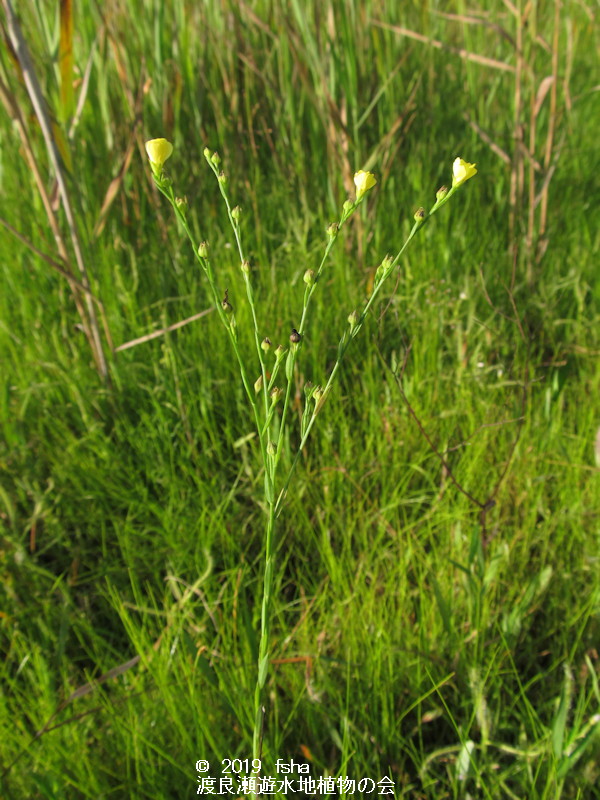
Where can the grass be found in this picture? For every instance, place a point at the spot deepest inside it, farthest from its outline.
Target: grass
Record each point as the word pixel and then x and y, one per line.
pixel 410 641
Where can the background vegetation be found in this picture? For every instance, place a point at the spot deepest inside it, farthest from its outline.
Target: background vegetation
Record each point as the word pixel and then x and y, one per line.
pixel 448 642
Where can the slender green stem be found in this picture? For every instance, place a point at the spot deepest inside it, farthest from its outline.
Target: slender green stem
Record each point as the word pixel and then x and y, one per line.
pixel 265 630
pixel 207 267
pixel 294 350
pixel 249 293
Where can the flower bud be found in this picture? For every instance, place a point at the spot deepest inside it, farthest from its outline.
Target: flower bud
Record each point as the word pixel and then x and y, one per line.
pixel 332 229
pixel 309 277
pixel 206 152
pixel 462 171
pixel 216 159
pixel 158 151
pixel 295 336
pixel 276 393
pixel 236 213
pixel 258 384
pixel 279 352
pixel 363 182
pixel 353 319
pixel 348 206
pixel 266 344
pixel 182 204
pixel 222 178
pixel 318 393
pixel 245 266
pixel 441 193
pixel 271 449
pixel 420 215
pixel 203 249
pixel 309 390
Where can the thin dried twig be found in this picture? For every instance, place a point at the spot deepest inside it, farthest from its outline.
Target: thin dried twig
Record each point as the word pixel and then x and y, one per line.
pixel 116 183
pixel 148 337
pixel 467 19
pixel 59 267
pixel 552 117
pixel 85 84
pixel 495 148
pixel 15 113
pixel 515 183
pixel 458 51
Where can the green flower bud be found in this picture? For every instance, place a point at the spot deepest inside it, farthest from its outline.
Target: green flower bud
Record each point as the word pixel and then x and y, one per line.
pixel 236 213
pixel 309 389
pixel 216 159
pixel 309 277
pixel 223 180
pixel 258 384
pixel 245 266
pixel 279 352
pixel 383 269
pixel 333 229
pixel 276 393
pixel 348 206
pixel 206 152
pixel 441 193
pixel 203 250
pixel 266 344
pixel 353 319
pixel 271 449
pixel 182 204
pixel 420 215
pixel 318 393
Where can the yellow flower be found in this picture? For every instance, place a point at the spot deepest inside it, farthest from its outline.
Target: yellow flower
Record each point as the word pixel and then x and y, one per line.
pixel 363 182
pixel 158 151
pixel 462 171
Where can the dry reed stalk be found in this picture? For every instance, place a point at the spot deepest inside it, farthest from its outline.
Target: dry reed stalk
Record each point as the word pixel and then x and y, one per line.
pixel 155 334
pixel 552 118
pixel 89 319
pixel 63 254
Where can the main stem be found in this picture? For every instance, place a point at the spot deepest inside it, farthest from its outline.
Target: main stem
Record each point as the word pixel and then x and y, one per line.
pixel 265 628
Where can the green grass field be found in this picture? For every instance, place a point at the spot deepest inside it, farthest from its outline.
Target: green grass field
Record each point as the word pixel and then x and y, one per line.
pixel 436 604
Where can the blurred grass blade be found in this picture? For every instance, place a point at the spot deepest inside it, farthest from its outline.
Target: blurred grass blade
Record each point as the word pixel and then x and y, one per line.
pixel 560 720
pixel 587 737
pixel 443 607
pixel 463 763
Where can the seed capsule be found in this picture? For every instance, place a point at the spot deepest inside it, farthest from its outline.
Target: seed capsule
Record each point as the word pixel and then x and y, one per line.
pixel 225 304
